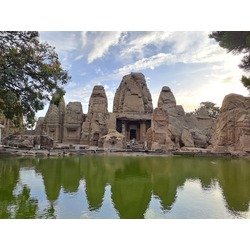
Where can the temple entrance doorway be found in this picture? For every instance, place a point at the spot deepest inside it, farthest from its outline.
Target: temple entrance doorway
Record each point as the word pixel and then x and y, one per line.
pixel 132 132
pixel 95 139
pixel 133 129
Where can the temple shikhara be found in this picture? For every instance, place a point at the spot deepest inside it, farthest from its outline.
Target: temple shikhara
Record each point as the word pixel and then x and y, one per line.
pixel 135 123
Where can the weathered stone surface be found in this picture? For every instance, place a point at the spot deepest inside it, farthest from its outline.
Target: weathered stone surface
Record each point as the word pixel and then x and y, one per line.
pixel 112 121
pixel 166 99
pixel 9 126
pixel 158 134
pixel 186 138
pixel 199 138
pixel 54 120
pixel 40 125
pixel 95 125
pixel 28 139
pixel 113 140
pixel 233 128
pixel 179 129
pixel 169 127
pixel 133 96
pixel 242 131
pixel 73 120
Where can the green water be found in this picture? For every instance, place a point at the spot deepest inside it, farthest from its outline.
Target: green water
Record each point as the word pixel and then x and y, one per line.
pixel 124 187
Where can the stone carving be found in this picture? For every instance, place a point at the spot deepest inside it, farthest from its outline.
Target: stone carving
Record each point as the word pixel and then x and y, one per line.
pixel 133 96
pixel 133 119
pixel 73 120
pixel 133 108
pixel 95 125
pixel 54 119
pixel 233 125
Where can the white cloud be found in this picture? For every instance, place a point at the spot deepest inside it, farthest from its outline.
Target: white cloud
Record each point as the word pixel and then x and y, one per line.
pixel 148 63
pixel 141 41
pixel 82 94
pixel 99 43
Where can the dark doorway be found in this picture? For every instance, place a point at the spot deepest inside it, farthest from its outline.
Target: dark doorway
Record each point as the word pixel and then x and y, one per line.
pixel 132 134
pixel 95 139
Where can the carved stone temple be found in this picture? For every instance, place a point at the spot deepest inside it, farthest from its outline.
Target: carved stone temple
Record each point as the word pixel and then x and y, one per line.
pixel 167 127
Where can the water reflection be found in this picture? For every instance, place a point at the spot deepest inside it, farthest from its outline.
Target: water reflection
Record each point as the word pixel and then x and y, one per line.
pixel 135 182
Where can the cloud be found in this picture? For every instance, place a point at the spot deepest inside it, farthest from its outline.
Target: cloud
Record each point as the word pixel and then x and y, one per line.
pixel 62 41
pixel 182 51
pixel 99 43
pixel 83 92
pixel 213 90
pixel 141 41
pixel 147 63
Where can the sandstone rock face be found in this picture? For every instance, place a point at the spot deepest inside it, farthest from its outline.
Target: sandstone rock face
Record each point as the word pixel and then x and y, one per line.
pixel 186 138
pixel 9 126
pixel 202 128
pixel 169 128
pixel 172 128
pixel 113 140
pixel 233 124
pixel 54 119
pixel 28 139
pixel 40 125
pixel 133 96
pixel 73 120
pixel 166 99
pixel 95 125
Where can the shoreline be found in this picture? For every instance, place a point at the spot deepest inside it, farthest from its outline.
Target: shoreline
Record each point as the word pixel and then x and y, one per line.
pixel 195 152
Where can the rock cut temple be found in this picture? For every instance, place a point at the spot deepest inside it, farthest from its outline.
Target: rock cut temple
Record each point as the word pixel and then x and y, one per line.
pixel 131 116
pixel 167 127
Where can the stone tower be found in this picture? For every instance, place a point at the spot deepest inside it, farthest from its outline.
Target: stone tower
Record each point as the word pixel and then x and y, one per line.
pixel 73 122
pixel 95 125
pixel 133 96
pixel 133 107
pixel 54 119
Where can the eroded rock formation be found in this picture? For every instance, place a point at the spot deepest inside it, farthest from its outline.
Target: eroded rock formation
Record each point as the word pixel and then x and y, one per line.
pixel 73 120
pixel 113 140
pixel 233 125
pixel 172 128
pixel 133 119
pixel 133 96
pixel 95 125
pixel 169 129
pixel 54 120
pixel 133 108
pixel 29 139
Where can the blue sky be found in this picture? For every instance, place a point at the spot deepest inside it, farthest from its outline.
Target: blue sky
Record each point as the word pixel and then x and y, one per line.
pixel 190 63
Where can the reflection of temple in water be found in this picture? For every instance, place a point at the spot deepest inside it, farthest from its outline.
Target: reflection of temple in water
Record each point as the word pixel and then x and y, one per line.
pixel 133 180
pixel 131 192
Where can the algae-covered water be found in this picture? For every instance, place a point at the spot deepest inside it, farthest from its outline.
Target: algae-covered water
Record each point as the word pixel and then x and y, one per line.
pixel 124 187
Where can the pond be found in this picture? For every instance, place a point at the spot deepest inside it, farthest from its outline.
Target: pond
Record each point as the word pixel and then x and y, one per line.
pixel 112 187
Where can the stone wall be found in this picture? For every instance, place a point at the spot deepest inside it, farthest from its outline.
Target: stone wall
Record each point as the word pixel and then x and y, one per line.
pixel 233 125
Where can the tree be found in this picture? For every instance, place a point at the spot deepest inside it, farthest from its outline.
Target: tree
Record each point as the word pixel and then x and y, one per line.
pixel 207 108
pixel 30 72
pixel 236 42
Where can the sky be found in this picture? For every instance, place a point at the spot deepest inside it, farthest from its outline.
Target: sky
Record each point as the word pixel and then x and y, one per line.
pixel 194 66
